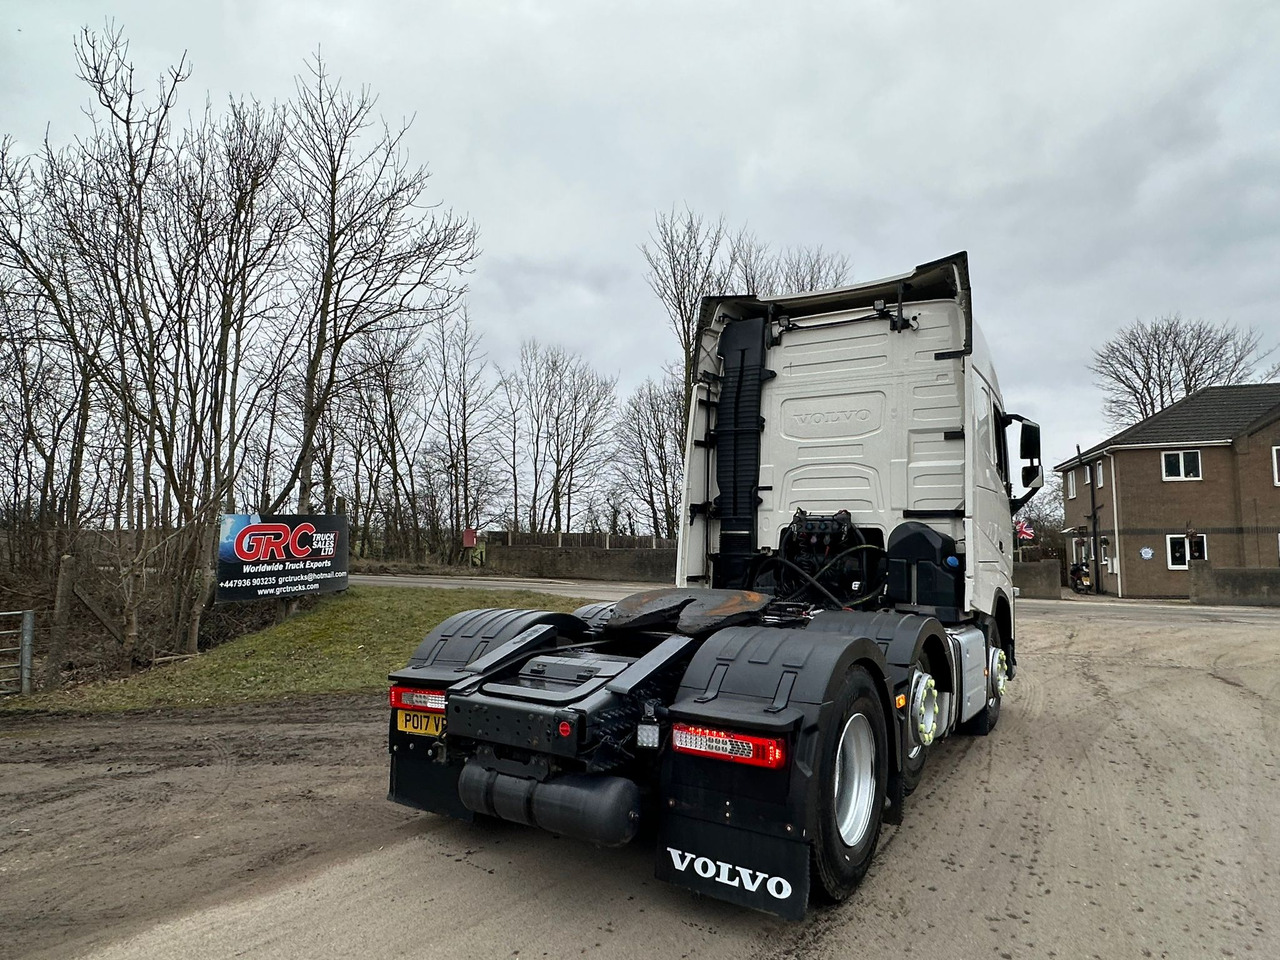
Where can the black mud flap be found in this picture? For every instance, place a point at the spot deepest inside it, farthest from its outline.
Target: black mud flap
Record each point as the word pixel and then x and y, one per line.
pixel 419 782
pixel 740 866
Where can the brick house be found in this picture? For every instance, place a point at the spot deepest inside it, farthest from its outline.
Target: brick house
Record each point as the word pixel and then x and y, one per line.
pixel 1200 480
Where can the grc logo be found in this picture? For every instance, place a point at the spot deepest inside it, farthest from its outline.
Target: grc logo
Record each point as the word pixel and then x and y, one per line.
pixel 270 541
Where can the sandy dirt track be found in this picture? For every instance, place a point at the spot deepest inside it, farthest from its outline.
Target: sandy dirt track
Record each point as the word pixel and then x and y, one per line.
pixel 1128 805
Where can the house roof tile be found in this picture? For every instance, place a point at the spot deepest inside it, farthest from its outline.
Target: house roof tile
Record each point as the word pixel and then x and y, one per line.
pixel 1209 414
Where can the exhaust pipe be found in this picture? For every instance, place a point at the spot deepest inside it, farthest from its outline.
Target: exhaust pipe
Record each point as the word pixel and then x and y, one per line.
pixel 601 810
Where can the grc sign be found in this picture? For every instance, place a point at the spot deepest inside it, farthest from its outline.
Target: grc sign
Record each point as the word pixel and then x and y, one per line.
pixel 262 558
pixel 279 541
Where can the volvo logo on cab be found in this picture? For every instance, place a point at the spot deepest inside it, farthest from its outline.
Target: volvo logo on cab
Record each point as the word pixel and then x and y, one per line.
pixel 730 874
pixel 834 416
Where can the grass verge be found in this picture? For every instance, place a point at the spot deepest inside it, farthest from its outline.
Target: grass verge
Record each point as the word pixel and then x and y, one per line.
pixel 347 644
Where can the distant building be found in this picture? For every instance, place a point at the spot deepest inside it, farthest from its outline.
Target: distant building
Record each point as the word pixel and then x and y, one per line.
pixel 1200 480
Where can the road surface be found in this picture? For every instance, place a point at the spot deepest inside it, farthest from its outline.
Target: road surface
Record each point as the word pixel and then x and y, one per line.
pixel 1126 806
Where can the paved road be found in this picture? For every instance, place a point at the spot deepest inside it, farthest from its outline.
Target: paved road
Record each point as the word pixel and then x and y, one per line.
pixel 1136 611
pixel 589 589
pixel 1125 807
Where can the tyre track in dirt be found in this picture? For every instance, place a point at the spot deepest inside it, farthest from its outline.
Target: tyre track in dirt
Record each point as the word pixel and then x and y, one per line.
pixel 108 823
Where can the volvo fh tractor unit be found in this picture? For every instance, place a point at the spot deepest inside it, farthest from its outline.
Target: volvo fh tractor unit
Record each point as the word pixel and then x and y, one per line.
pixel 842 600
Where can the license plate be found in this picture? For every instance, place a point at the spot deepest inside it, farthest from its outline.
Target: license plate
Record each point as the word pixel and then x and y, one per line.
pixel 423 724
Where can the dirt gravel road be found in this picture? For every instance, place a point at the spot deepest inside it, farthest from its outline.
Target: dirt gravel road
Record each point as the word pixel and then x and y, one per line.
pixel 1128 805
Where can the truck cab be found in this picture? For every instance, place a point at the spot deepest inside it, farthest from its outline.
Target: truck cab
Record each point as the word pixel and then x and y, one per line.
pixel 865 408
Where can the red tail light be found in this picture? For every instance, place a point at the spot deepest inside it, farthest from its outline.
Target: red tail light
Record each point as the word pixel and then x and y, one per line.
pixel 411 698
pixel 723 745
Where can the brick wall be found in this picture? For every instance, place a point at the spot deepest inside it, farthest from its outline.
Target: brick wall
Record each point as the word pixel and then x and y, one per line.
pixel 1151 508
pixel 1254 587
pixel 1041 580
pixel 1259 499
pixel 583 563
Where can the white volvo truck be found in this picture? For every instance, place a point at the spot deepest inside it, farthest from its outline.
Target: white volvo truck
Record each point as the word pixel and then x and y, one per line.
pixel 843 598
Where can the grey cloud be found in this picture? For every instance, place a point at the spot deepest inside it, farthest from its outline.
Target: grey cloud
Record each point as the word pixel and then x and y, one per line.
pixel 1100 161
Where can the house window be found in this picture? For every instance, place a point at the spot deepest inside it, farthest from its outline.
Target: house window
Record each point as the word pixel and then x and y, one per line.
pixel 1181 464
pixel 1275 465
pixel 1088 475
pixel 1097 472
pixel 1178 546
pixel 1080 551
pixel 1071 484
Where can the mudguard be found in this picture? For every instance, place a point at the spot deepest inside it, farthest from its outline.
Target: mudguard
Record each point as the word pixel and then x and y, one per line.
pixel 903 637
pixel 742 833
pixel 445 654
pixel 596 615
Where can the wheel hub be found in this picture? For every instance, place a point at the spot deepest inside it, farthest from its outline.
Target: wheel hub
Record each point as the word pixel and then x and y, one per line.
pixel 999 669
pixel 924 708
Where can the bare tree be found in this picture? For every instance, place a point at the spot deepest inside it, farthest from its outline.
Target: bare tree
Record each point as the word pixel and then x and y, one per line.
pixel 649 457
pixel 553 417
pixel 1147 366
pixel 372 253
pixel 754 265
pixel 460 422
pixel 508 438
pixel 756 268
pixel 810 268
pixel 686 255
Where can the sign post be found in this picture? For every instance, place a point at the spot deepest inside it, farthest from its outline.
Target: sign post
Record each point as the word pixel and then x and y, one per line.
pixel 280 556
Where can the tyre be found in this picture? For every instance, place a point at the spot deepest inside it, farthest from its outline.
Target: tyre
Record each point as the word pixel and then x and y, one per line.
pixel 922 725
pixel 998 672
pixel 853 768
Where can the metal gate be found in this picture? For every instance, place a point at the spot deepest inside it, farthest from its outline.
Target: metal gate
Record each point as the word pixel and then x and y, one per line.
pixel 17 633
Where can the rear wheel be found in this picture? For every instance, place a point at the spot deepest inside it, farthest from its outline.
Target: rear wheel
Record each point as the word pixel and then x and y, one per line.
pixel 997 674
pixel 854 774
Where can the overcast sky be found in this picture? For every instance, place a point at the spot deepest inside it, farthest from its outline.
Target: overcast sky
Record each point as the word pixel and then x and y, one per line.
pixel 1100 162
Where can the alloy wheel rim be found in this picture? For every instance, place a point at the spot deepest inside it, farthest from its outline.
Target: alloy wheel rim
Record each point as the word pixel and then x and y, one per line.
pixel 855 780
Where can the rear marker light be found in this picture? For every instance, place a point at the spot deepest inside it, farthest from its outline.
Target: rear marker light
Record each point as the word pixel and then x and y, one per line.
pixel 409 698
pixel 565 728
pixel 648 735
pixel 724 745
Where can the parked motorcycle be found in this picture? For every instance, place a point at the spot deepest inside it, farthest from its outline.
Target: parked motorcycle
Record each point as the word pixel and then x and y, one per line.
pixel 1081 581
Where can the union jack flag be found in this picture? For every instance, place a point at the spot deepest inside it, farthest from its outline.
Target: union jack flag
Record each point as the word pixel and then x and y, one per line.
pixel 1024 531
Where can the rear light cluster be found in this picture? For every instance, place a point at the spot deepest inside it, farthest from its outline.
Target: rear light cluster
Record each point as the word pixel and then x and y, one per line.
pixel 409 698
pixel 724 745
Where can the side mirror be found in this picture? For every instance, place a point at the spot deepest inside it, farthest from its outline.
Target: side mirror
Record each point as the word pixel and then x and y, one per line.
pixel 1028 450
pixel 1029 444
